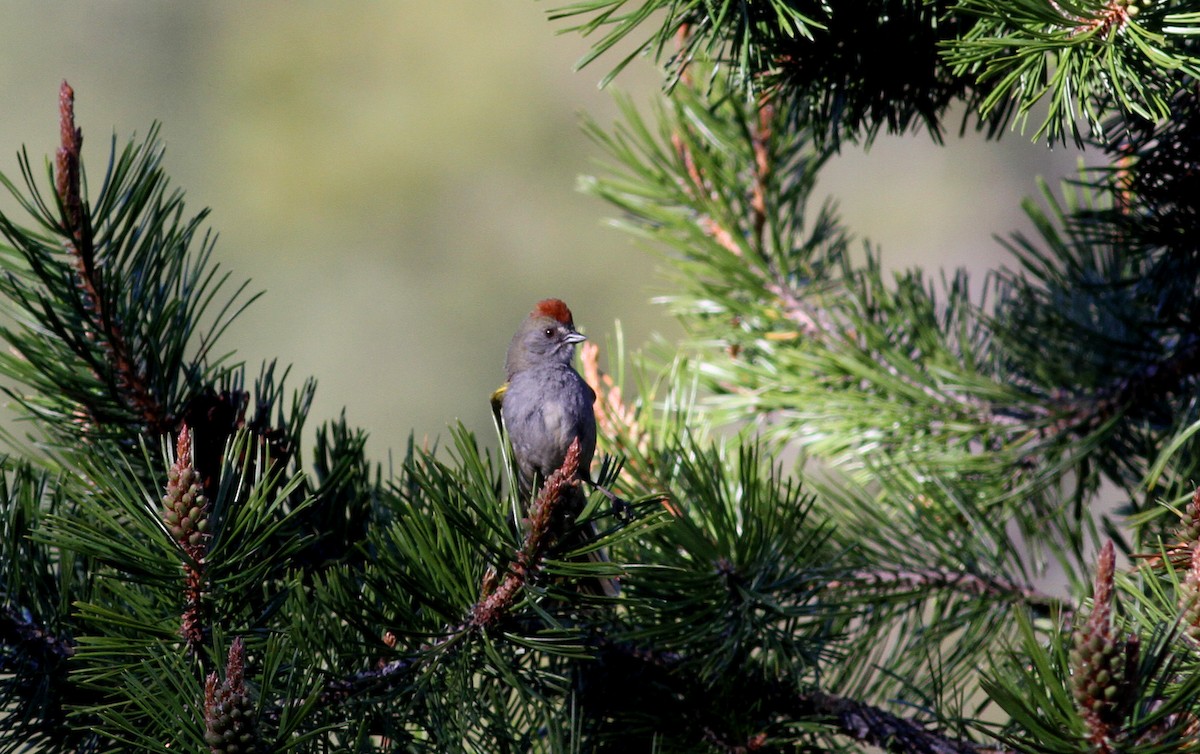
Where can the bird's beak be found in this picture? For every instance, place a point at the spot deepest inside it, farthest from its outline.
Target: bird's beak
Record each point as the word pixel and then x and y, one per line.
pixel 574 337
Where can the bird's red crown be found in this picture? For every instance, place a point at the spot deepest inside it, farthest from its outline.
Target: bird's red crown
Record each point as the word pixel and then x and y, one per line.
pixel 554 309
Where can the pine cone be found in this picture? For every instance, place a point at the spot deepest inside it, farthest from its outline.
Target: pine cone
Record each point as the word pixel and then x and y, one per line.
pixel 230 727
pixel 1103 666
pixel 1099 661
pixel 1189 598
pixel 185 507
pixel 229 716
pixel 1180 543
pixel 1188 531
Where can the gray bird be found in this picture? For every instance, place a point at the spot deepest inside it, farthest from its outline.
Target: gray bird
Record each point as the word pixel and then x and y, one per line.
pixel 546 405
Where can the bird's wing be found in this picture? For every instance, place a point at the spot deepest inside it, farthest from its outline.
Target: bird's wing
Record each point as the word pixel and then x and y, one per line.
pixel 498 404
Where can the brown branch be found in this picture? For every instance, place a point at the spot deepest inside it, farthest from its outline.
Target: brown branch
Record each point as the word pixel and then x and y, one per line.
pixel 1112 19
pixel 128 381
pixel 618 421
pixel 16 628
pixel 497 595
pixel 810 324
pixel 777 700
pixel 1154 380
pixel 777 286
pixel 613 415
pixel 682 37
pixel 760 140
pixel 383 676
pixel 497 599
pixel 693 173
pixel 943 578
pixel 718 233
pixel 876 727
pixel 67 179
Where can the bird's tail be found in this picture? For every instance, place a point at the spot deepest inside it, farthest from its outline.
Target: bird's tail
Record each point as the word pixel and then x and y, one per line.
pixel 607 587
pixel 580 536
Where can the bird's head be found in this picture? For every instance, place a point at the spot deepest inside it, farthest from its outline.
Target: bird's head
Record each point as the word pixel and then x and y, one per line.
pixel 547 336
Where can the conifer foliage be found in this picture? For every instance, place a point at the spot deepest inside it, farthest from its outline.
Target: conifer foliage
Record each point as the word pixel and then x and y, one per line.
pixel 177 574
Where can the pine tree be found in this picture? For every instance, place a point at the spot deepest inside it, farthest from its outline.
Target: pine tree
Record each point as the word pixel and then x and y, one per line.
pixel 177 575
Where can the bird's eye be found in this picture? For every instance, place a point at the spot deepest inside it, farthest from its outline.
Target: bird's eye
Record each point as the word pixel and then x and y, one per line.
pixel 548 332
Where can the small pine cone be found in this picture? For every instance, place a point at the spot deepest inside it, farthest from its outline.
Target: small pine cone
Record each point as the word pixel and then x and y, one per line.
pixel 231 729
pixel 185 507
pixel 229 717
pixel 1188 531
pixel 1183 539
pixel 1103 666
pixel 1099 663
pixel 1189 598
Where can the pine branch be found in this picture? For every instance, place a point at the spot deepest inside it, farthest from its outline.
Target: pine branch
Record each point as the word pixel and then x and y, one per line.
pixel 803 331
pixel 1113 683
pixel 812 324
pixel 876 727
pixel 186 512
pixel 823 327
pixel 497 599
pixel 1084 59
pixel 995 588
pixel 1098 320
pixel 783 705
pixel 732 31
pixel 230 722
pixel 497 594
pixel 1151 187
pixel 19 630
pixel 130 383
pixel 110 328
pixel 368 681
pixel 849 74
pixel 756 618
pixel 1172 375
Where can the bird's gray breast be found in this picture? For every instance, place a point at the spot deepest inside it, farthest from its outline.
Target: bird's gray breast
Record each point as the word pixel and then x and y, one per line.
pixel 544 410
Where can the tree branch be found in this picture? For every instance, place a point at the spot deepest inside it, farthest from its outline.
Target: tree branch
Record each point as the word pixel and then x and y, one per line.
pixel 128 382
pixel 1154 380
pixel 497 599
pixel 775 699
pixel 497 596
pixel 16 628
pixel 944 578
pixel 877 727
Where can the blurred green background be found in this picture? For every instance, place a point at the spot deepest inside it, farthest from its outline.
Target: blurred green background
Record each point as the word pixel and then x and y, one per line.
pixel 400 178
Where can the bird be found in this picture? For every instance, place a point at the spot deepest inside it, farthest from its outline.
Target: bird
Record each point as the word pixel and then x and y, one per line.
pixel 544 406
